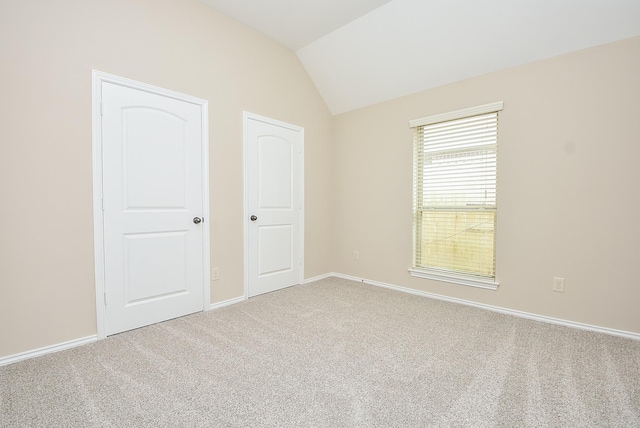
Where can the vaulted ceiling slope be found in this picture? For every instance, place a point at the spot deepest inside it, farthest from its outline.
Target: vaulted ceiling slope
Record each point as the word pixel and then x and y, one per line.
pixel 295 23
pixel 400 47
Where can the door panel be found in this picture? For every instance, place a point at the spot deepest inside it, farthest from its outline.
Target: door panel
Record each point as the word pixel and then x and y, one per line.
pixel 274 195
pixel 275 171
pixel 152 141
pixel 152 190
pixel 275 249
pixel 155 265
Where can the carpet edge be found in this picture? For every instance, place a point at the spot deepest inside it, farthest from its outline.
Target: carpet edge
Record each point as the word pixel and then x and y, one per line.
pixel 520 314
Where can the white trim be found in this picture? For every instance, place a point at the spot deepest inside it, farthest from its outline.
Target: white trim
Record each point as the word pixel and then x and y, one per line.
pixel 302 204
pixel 246 116
pixel 457 114
pixel 206 212
pixel 228 302
pixel 455 279
pixel 319 277
pixel 516 313
pixel 98 78
pixel 572 324
pixel 47 350
pixel 245 202
pixel 98 215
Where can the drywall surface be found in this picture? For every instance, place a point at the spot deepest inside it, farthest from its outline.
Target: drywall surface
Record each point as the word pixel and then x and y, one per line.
pixel 568 181
pixel 48 50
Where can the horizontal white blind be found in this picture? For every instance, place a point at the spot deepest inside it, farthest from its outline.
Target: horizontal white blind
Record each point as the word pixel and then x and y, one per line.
pixel 455 209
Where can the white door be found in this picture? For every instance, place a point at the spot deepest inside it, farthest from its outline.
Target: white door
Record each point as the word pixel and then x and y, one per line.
pixel 153 207
pixel 274 208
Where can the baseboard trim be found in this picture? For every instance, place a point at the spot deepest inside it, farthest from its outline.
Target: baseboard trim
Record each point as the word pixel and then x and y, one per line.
pixel 318 278
pixel 47 350
pixel 10 359
pixel 227 302
pixel 520 314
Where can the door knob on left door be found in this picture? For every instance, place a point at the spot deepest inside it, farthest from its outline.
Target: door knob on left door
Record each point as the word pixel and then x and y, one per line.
pixel 197 220
pixel 253 218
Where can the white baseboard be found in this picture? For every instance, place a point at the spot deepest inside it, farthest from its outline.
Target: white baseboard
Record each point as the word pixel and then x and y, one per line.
pixel 90 339
pixel 85 340
pixel 227 302
pixel 47 350
pixel 521 314
pixel 319 277
pixel 243 298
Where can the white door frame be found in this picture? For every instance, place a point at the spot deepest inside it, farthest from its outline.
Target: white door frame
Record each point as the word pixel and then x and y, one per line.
pixel 246 116
pixel 98 78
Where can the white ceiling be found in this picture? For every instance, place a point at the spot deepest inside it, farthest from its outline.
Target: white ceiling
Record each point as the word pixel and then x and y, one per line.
pixel 361 52
pixel 295 23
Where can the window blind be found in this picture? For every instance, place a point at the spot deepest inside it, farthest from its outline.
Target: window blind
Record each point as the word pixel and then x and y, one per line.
pixel 455 198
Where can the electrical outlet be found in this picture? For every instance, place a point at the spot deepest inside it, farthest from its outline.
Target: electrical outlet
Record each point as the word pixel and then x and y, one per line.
pixel 356 255
pixel 215 274
pixel 558 284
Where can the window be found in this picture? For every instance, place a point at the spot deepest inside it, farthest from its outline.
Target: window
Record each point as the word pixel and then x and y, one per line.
pixel 455 200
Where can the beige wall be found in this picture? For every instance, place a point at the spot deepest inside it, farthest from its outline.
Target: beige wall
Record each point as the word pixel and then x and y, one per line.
pixel 568 178
pixel 47 52
pixel 568 183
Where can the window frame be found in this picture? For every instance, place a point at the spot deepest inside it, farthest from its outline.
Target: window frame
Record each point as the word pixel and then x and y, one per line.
pixel 438 274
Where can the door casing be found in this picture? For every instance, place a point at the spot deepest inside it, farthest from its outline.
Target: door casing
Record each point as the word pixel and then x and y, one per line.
pixel 252 116
pixel 99 77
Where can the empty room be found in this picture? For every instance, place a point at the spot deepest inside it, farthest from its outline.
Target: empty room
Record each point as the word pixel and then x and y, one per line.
pixel 270 213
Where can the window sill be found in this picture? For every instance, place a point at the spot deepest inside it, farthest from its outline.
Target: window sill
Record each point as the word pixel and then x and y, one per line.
pixel 455 279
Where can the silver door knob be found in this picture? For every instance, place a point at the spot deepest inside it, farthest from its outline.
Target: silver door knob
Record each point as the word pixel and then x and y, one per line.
pixel 197 220
pixel 253 218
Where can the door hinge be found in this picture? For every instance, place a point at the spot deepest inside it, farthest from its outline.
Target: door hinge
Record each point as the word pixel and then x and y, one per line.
pixel 101 110
pixel 105 298
pixel 102 201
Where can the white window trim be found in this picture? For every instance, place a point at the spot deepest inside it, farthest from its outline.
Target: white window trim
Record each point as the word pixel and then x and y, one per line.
pixel 452 277
pixel 458 114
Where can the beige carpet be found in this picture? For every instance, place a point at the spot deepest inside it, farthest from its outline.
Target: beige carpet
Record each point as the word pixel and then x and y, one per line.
pixel 333 353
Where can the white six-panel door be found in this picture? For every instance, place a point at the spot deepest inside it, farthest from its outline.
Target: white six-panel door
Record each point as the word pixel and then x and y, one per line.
pixel 273 174
pixel 153 206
